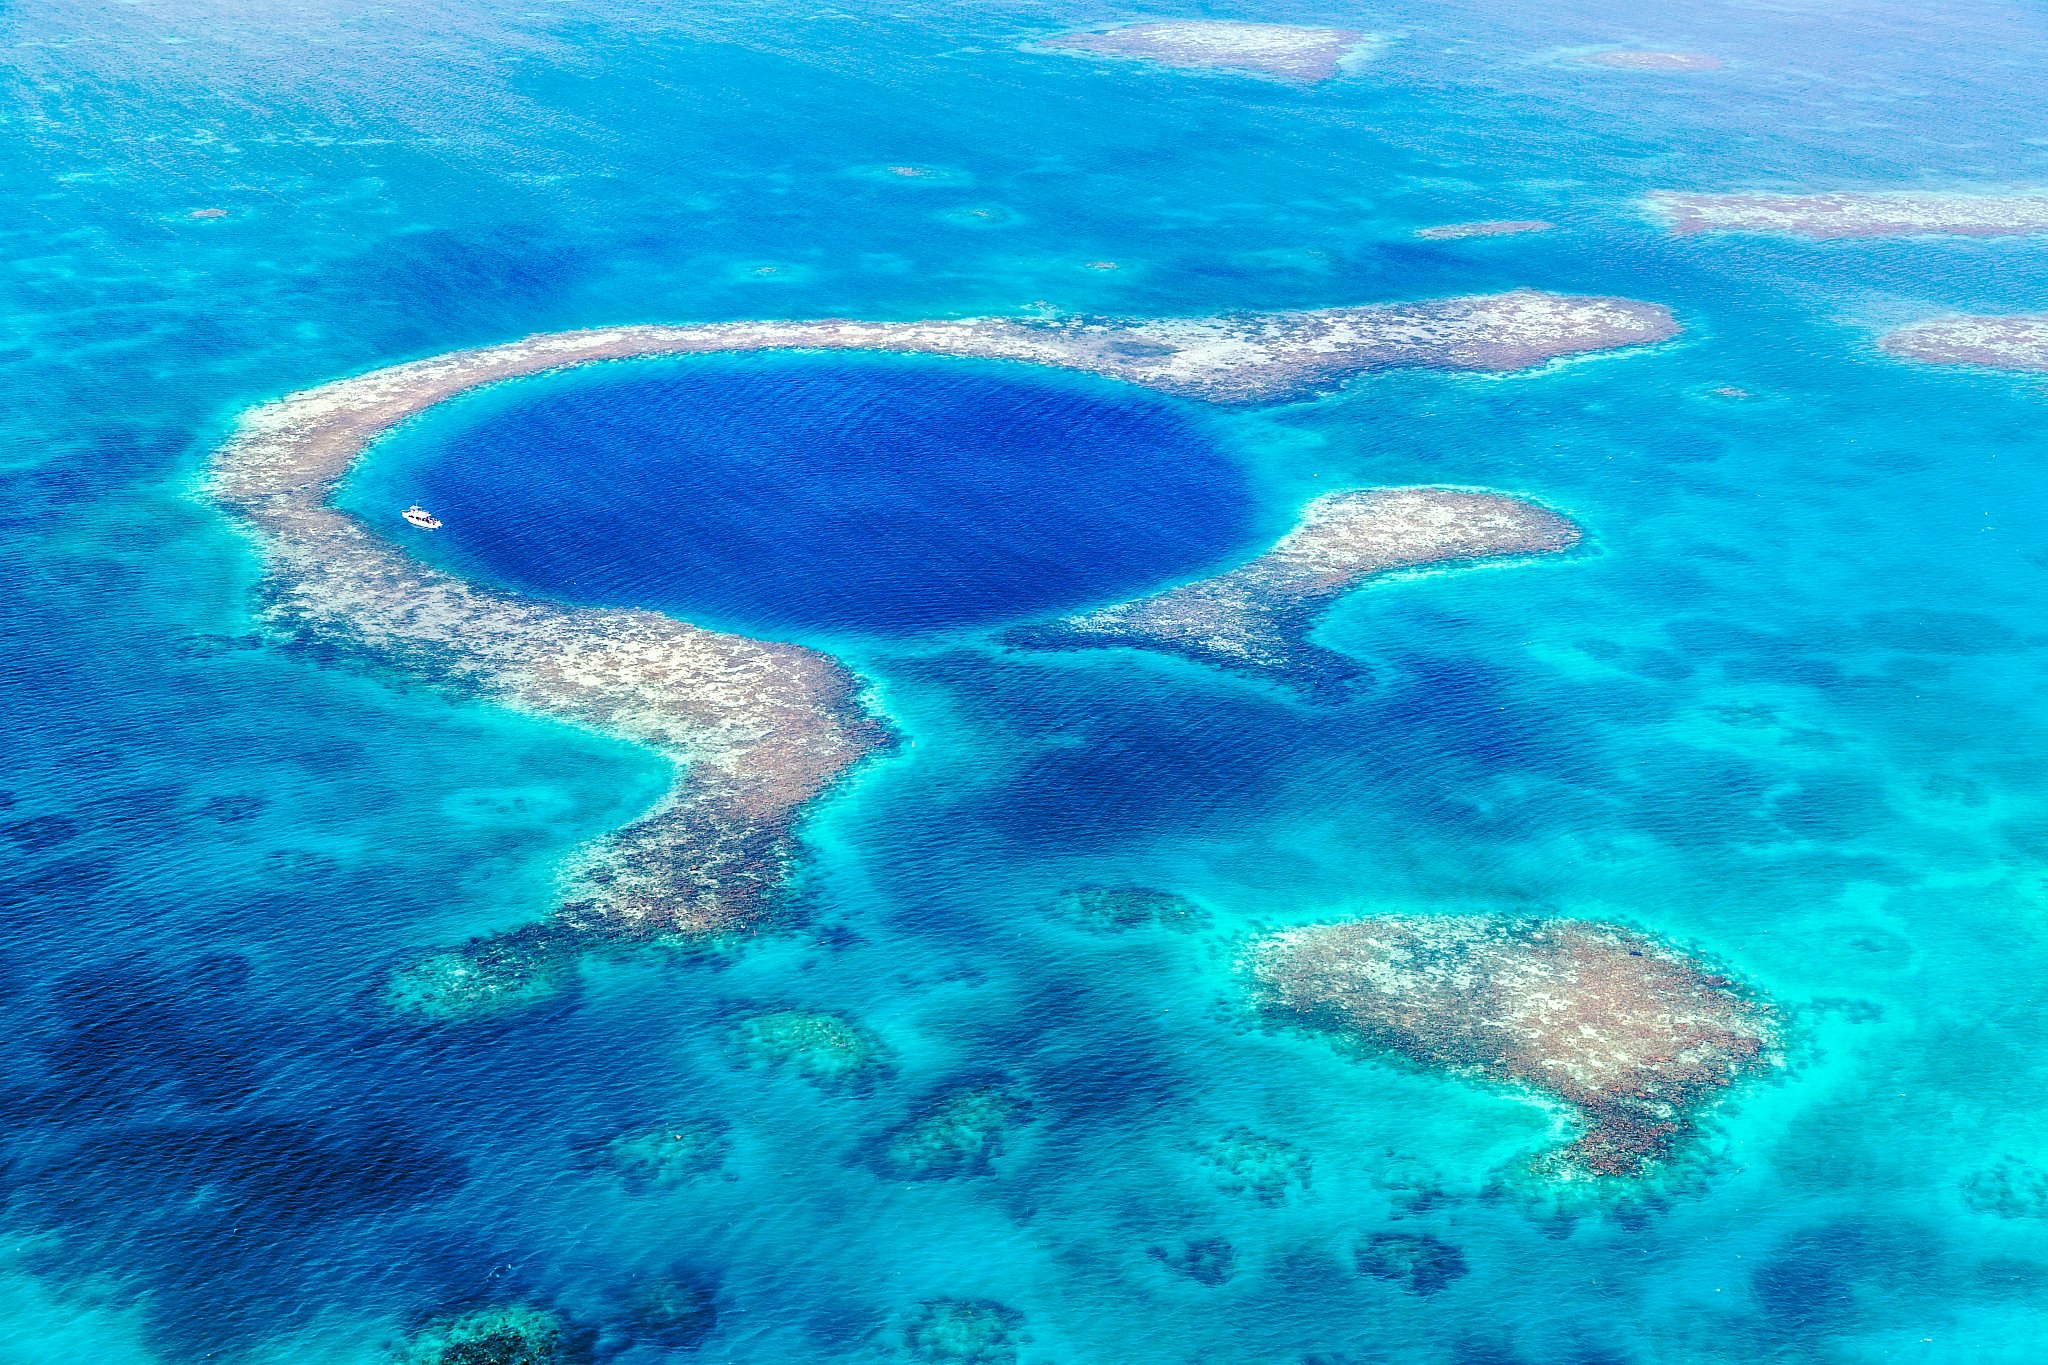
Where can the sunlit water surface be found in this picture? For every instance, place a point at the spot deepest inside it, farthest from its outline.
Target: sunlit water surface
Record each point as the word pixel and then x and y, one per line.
pixel 1784 708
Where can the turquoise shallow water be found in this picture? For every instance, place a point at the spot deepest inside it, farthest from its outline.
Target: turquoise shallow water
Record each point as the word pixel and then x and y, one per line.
pixel 1783 707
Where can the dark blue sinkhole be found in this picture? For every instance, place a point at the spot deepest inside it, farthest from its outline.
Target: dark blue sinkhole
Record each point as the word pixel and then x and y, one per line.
pixel 786 495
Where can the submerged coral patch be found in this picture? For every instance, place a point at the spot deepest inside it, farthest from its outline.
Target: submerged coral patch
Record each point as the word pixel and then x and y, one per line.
pixel 1207 1261
pixel 963 1332
pixel 1630 59
pixel 1256 619
pixel 1503 227
pixel 667 1155
pixel 1112 909
pixel 486 976
pixel 2009 1187
pixel 1254 1166
pixel 674 1312
pixel 515 1334
pixel 1417 1262
pixel 958 1134
pixel 828 1050
pixel 1636 1036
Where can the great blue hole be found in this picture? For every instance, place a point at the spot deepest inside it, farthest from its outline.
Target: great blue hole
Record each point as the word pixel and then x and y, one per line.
pixel 793 495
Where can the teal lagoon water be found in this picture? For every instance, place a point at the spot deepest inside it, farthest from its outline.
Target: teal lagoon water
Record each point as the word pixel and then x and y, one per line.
pixel 1785 707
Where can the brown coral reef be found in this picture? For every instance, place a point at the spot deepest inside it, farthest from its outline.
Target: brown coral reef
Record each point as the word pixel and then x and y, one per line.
pixel 1637 1037
pixel 760 728
pixel 1255 619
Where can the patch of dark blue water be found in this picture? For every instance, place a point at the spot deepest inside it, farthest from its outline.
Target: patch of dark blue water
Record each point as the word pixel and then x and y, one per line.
pixel 789 495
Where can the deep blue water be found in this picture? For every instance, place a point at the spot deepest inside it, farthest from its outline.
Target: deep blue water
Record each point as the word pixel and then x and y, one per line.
pixel 1787 706
pixel 820 496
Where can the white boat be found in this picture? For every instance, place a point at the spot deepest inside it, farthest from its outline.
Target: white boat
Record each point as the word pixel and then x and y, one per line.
pixel 419 516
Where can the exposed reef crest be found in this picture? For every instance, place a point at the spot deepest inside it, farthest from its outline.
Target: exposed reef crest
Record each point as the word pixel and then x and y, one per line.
pixel 1907 213
pixel 1255 619
pixel 759 729
pixel 1637 1037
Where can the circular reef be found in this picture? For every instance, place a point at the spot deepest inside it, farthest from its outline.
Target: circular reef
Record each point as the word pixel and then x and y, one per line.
pixel 758 729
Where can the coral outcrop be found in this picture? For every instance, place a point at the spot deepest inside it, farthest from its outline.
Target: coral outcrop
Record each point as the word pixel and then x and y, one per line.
pixel 1637 1037
pixel 512 1335
pixel 828 1050
pixel 958 1134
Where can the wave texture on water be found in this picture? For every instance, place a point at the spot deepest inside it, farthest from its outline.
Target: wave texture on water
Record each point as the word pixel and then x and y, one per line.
pixel 761 728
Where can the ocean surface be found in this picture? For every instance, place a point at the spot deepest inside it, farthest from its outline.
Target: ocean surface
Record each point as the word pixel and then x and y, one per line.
pixel 1784 706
